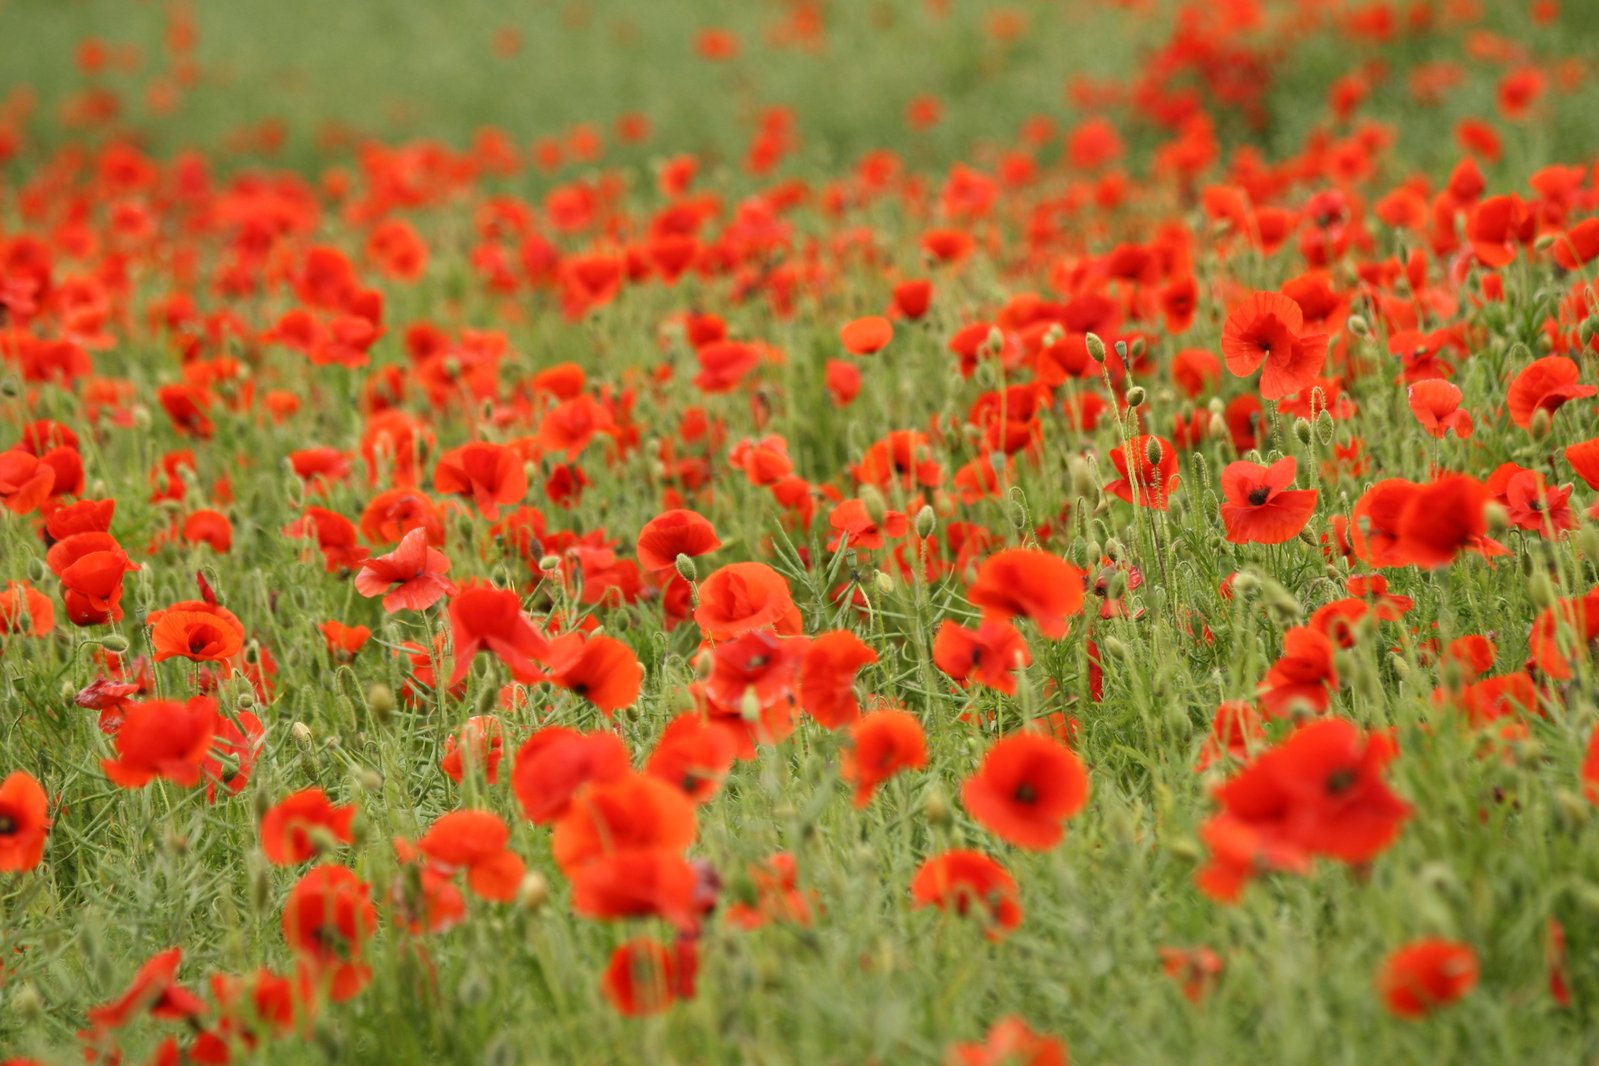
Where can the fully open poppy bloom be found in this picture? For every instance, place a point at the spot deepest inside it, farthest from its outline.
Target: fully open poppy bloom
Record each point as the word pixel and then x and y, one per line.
pixel 1374 523
pixel 1028 785
pixel 163 738
pixel 411 577
pixel 629 813
pixel 1426 974
pixel 1319 792
pixel 154 991
pixel 327 920
pixel 1260 508
pixel 637 883
pixel 866 336
pixel 24 609
pixel 1034 584
pixel 741 597
pixel 1269 328
pixel 970 884
pixel 1443 519
pixel 693 754
pixel 673 533
pixel 990 654
pixel 475 841
pixel 1563 635
pixel 1436 405
pixel 300 825
pixel 1530 503
pixel 553 763
pixel 1303 676
pixel 483 617
pixel 827 677
pixel 1546 384
pixel 24 822
pixel 491 475
pixel 1147 467
pixel 645 977
pixel 196 630
pixel 882 744
pixel 1010 1042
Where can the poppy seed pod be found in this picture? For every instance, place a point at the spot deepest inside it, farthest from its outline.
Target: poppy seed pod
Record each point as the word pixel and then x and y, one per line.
pixel 533 893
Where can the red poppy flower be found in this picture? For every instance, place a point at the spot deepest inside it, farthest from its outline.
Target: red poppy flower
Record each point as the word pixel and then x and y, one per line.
pixel 484 617
pixel 645 977
pixel 1545 384
pixel 1260 508
pixel 163 738
pixel 1426 974
pixel 24 822
pixel 741 597
pixel 1444 518
pixel 300 825
pixel 1194 969
pixel 1034 584
pixel 694 755
pixel 1436 405
pixel 196 630
pixel 411 577
pixel 327 920
pixel 1027 787
pixel 556 761
pixel 1269 328
pixel 1153 477
pixel 866 336
pixel 673 533
pixel 882 744
pixel 989 654
pixel 475 841
pixel 24 609
pixel 599 668
pixel 492 475
pixel 969 883
pixel 637 883
pixel 628 813
pixel 1010 1042
pixel 154 991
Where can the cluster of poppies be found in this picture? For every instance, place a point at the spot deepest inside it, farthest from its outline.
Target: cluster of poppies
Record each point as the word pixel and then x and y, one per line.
pixel 933 480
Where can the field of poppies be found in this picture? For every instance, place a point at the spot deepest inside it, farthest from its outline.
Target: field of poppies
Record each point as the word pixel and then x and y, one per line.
pixel 799 532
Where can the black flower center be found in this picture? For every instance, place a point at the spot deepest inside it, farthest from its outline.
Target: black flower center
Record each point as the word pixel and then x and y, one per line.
pixel 8 825
pixel 1341 781
pixel 1259 495
pixel 1025 793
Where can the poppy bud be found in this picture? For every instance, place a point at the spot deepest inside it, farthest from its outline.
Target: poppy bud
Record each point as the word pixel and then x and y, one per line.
pixel 1358 326
pixel 245 701
pixel 1114 550
pixel 115 643
pixel 1542 422
pixel 369 780
pixel 380 701
pixel 876 507
pixel 1116 587
pixel 1587 542
pixel 995 342
pixel 1400 664
pixel 883 582
pixel 749 705
pixel 1186 848
pixel 1135 396
pixel 1541 591
pixel 1121 350
pixel 1054 335
pixel 1574 810
pixel 1096 347
pixel 935 807
pixel 1138 347
pixel 175 842
pixel 1545 242
pixel 1082 477
pixel 686 568
pixel 926 522
pixel 1302 431
pixel 550 563
pixel 10 388
pixel 533 893
pixel 142 418
pixel 1496 517
pixel 27 1005
pixel 1245 585
pixel 1153 451
pixel 1115 648
pixel 301 734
